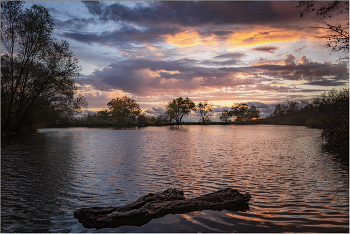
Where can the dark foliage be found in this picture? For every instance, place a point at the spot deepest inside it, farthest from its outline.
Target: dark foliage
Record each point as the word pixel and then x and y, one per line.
pixel 179 107
pixel 329 112
pixel 37 72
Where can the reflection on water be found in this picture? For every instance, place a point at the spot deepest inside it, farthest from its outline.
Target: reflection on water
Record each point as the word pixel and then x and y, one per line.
pixel 295 186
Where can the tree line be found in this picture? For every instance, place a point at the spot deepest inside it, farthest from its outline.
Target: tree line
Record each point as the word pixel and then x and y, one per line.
pixel 329 112
pixel 126 111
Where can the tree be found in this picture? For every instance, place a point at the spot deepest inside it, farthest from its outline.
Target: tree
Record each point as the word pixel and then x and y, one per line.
pixel 335 108
pixel 179 107
pixel 162 119
pixel 104 114
pixel 292 108
pixel 240 111
pixel 225 115
pixel 37 72
pixel 279 110
pixel 252 113
pixel 243 113
pixel 338 34
pixel 124 107
pixel 204 108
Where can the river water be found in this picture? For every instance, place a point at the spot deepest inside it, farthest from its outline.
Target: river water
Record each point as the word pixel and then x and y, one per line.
pixel 295 185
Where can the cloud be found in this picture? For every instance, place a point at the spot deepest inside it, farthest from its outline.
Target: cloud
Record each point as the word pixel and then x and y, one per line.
pixel 190 23
pixel 327 82
pixel 126 34
pixel 155 111
pixel 95 7
pixel 257 36
pixel 191 13
pixel 259 105
pixel 268 49
pixel 303 60
pixel 152 77
pixel 300 49
pixel 234 55
pixel 289 60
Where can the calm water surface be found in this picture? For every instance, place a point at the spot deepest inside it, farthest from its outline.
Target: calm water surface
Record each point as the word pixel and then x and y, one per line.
pixel 295 185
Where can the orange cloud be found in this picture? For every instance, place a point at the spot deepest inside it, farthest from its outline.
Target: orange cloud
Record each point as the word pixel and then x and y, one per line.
pixel 269 62
pixel 242 75
pixel 238 39
pixel 184 39
pixel 156 73
pixel 279 85
pixel 190 38
pixel 262 37
pixel 151 47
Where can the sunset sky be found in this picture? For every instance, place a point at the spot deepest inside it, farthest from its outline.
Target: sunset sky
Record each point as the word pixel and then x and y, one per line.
pixel 260 53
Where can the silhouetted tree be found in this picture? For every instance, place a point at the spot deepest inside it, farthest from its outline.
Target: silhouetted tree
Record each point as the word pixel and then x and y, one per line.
pixel 37 72
pixel 179 107
pixel 292 107
pixel 225 115
pixel 243 113
pixel 162 119
pixel 338 35
pixel 204 108
pixel 253 112
pixel 279 110
pixel 124 108
pixel 104 114
pixel 334 110
pixel 142 120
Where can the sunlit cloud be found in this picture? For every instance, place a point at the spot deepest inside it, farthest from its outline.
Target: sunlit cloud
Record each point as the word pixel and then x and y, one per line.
pixel 223 52
pixel 151 47
pixel 262 37
pixel 190 38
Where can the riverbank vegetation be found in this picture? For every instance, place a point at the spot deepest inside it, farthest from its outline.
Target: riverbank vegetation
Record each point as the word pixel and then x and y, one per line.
pixel 329 112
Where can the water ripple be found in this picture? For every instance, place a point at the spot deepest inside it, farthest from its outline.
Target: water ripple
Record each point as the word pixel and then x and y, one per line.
pixel 296 187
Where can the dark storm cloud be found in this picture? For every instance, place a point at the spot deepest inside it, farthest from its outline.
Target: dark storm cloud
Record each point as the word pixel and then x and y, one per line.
pixel 326 82
pixel 268 49
pixel 191 13
pixel 222 33
pixel 95 7
pixel 75 23
pixel 87 38
pixel 125 34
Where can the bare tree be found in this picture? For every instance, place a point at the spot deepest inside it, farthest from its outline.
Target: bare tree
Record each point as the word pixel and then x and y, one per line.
pixel 338 34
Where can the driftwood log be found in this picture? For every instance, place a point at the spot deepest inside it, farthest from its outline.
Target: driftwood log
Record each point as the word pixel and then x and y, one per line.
pixel 155 205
